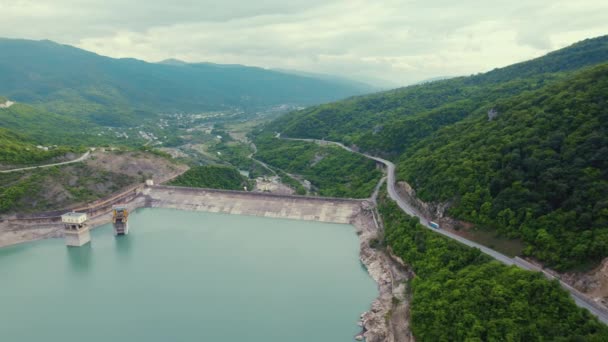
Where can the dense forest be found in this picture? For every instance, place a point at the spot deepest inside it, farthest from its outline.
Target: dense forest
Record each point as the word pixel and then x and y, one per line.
pixel 331 170
pixel 213 177
pixel 520 150
pixel 460 294
pixel 388 123
pixel 537 171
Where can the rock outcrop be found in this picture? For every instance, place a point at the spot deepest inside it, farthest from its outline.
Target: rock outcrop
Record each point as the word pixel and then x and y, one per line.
pixel 593 283
pixel 430 210
pixel 388 318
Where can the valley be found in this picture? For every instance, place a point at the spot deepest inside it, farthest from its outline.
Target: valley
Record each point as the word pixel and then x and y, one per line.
pixel 479 201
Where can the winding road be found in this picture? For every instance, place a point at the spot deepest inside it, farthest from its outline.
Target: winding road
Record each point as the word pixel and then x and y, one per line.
pixel 79 159
pixel 579 298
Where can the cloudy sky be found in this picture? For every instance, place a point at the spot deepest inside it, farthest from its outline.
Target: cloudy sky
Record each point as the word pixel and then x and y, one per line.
pixel 396 41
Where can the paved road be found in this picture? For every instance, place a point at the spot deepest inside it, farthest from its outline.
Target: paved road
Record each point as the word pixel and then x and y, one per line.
pixel 79 159
pixel 580 299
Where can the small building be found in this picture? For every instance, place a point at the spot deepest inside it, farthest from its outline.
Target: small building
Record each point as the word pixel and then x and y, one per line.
pixel 75 229
pixel 149 182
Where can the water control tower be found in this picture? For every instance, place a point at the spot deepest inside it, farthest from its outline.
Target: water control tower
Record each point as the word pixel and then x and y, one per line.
pixel 120 220
pixel 75 230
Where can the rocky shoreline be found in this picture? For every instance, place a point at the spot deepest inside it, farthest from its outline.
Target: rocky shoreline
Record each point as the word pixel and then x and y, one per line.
pixel 388 318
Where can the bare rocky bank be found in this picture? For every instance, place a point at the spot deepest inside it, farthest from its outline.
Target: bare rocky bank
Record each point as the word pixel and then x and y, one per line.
pixel 388 317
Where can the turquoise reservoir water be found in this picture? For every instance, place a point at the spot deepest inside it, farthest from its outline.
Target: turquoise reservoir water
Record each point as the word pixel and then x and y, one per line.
pixel 188 276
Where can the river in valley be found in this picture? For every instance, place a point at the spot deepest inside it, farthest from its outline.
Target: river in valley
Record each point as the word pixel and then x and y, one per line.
pixel 188 276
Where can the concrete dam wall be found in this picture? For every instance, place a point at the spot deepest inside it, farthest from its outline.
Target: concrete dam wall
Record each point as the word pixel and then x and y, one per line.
pixel 323 209
pixel 335 210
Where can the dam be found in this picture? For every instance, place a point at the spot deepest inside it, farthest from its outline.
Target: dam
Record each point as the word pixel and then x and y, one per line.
pixel 190 276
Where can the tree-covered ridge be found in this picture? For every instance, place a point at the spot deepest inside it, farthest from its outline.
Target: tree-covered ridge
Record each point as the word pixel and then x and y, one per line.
pixel 538 170
pixel 459 294
pixel 389 122
pixel 585 53
pixel 213 177
pixel 15 150
pixel 331 170
pixel 42 126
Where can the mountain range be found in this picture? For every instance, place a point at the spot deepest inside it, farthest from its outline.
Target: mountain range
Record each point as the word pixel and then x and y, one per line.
pixel 114 92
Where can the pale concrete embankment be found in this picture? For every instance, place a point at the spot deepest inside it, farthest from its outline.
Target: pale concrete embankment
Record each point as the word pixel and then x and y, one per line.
pixel 22 228
pixel 335 210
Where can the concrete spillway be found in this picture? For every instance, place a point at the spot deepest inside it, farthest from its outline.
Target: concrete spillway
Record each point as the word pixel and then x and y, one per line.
pixel 334 210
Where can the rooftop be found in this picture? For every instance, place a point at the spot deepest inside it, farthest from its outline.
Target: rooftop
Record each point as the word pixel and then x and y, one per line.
pixel 73 214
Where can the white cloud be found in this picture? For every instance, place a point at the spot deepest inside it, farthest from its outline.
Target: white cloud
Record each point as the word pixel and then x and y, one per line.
pixel 400 41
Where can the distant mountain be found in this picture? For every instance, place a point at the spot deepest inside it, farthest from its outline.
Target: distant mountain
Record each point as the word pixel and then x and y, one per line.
pixel 332 78
pixel 173 61
pixel 67 80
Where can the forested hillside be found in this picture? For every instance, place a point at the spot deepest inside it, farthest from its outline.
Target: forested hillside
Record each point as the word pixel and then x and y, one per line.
pixel 115 92
pixel 45 127
pixel 521 150
pixel 388 123
pixel 537 171
pixel 15 150
pixel 460 294
pixel 213 177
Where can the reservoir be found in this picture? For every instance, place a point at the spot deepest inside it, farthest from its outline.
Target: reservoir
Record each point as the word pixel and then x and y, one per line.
pixel 188 276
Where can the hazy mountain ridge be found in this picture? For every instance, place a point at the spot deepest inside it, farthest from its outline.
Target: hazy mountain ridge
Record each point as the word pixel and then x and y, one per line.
pixel 67 80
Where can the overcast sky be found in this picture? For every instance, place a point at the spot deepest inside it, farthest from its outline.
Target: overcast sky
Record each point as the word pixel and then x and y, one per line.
pixel 397 41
